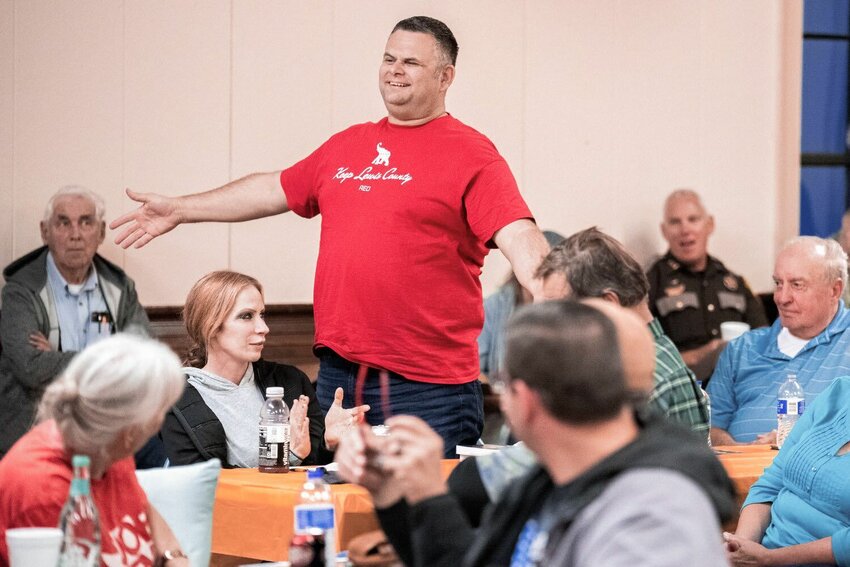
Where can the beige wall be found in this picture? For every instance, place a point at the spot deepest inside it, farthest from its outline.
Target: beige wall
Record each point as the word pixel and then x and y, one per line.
pixel 601 108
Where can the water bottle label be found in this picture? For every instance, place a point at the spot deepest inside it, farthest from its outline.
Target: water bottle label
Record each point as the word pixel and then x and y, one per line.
pixel 790 406
pixel 274 445
pixel 274 433
pixel 313 517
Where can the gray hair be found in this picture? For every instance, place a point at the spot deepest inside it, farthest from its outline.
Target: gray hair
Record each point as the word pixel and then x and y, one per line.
pixel 595 263
pixel 120 382
pixel 75 191
pixel 828 251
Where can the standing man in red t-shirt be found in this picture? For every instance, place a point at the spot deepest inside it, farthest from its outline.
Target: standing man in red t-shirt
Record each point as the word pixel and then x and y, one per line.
pixel 410 205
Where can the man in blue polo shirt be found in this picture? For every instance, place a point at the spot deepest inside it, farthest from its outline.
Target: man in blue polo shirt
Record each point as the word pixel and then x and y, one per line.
pixel 808 340
pixel 59 299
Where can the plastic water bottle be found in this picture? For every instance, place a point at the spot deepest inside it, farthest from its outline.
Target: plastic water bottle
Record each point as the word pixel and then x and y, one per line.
pixel 789 407
pixel 314 520
pixel 274 433
pixel 79 521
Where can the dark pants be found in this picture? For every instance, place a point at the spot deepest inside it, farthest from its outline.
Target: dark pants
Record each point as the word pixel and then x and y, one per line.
pixel 454 411
pixel 152 455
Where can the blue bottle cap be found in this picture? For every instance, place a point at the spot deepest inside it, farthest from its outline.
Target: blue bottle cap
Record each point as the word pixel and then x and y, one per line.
pixel 81 461
pixel 316 473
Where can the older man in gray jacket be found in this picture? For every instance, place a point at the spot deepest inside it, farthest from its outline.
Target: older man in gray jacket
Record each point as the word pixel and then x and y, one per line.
pixel 57 300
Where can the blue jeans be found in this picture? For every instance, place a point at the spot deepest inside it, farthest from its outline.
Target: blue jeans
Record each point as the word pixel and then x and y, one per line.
pixel 454 411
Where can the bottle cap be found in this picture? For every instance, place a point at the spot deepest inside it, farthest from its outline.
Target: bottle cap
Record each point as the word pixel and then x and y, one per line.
pixel 81 461
pixel 315 473
pixel 274 391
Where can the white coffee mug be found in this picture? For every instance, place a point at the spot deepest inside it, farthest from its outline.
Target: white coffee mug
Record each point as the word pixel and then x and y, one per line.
pixel 33 547
pixel 732 330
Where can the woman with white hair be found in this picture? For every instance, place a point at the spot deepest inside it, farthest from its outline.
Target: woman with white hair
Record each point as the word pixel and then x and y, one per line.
pixel 109 401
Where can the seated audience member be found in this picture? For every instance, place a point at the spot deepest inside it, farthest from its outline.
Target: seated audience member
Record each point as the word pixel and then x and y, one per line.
pixel 692 293
pixel 843 238
pixel 106 404
pixel 218 414
pixel 497 309
pixel 592 264
pixel 59 299
pixel 612 488
pixel 809 339
pixel 798 512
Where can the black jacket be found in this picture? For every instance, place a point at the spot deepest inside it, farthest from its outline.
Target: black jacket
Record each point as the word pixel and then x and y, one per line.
pixel 437 532
pixel 192 433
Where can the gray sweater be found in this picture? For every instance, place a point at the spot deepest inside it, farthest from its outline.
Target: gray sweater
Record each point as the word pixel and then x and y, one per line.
pixel 27 308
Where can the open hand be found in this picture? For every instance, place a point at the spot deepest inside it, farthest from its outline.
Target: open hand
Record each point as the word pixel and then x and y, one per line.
pixel 339 420
pixel 156 215
pixel 300 427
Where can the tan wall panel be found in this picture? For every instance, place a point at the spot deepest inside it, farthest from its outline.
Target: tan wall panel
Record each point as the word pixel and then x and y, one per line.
pixel 68 107
pixel 177 100
pixel 7 139
pixel 600 108
pixel 653 96
pixel 282 83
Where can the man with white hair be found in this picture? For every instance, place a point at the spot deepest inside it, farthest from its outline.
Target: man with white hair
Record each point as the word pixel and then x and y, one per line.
pixel 810 339
pixel 59 299
pixel 692 293
pixel 843 238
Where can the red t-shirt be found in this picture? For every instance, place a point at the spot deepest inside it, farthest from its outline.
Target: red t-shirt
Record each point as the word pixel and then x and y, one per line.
pixel 407 216
pixel 35 478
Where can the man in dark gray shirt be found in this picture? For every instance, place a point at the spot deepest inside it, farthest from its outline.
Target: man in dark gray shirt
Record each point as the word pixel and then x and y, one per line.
pixel 612 487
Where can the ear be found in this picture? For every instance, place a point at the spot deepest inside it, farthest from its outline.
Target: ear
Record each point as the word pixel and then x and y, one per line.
pixel 102 233
pixel 710 223
pixel 610 297
pixel 837 289
pixel 44 228
pixel 447 76
pixel 526 402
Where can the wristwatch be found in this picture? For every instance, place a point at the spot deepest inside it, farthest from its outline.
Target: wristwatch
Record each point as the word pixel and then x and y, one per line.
pixel 170 554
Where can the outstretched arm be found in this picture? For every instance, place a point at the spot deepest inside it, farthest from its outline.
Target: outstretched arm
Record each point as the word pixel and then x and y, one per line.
pixel 524 246
pixel 251 197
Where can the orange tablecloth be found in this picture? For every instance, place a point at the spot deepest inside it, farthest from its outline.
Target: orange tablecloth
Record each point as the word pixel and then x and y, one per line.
pixel 744 464
pixel 253 512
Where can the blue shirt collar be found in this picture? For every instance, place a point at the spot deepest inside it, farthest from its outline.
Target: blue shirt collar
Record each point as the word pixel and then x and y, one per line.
pixel 57 281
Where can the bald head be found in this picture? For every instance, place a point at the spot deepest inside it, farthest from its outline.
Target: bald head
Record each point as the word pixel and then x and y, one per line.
pixel 809 277
pixel 686 227
pixel 637 349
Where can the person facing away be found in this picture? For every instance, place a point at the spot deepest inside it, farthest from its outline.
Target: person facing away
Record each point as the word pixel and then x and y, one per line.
pixel 106 404
pixel 217 415
pixel 58 300
pixel 809 339
pixel 692 293
pixel 611 487
pixel 410 205
pixel 591 264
